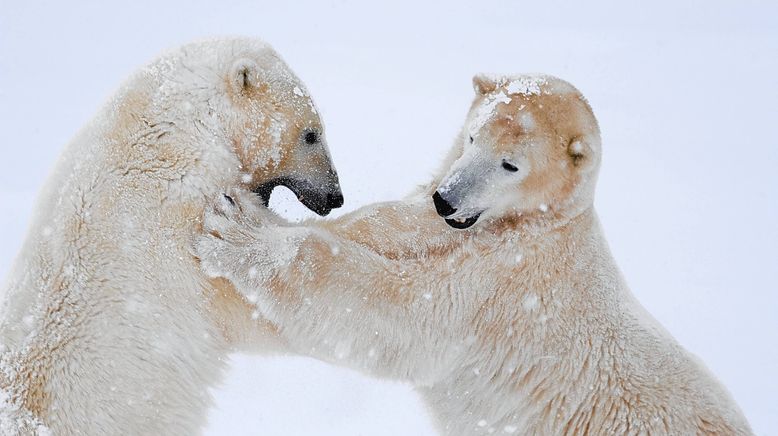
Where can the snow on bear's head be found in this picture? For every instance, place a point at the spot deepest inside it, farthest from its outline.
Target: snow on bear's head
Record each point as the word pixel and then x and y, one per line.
pixel 242 104
pixel 530 144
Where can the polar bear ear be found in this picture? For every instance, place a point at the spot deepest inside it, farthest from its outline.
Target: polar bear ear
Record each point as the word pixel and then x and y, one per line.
pixel 580 152
pixel 244 75
pixel 483 84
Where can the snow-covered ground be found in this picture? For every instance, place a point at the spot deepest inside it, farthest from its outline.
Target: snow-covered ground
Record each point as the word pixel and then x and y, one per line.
pixel 685 93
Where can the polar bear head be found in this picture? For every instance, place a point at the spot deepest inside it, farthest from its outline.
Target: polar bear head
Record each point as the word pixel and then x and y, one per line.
pixel 235 101
pixel 530 144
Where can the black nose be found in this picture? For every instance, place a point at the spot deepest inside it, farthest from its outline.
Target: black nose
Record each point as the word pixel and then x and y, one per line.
pixel 334 201
pixel 444 209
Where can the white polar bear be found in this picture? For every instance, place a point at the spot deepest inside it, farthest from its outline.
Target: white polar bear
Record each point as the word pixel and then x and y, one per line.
pixel 521 324
pixel 107 325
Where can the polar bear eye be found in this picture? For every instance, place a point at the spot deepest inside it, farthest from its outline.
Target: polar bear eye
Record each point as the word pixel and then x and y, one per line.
pixel 471 139
pixel 509 166
pixel 311 138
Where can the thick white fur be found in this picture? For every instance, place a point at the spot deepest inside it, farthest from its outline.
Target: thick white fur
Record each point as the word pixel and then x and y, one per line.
pixel 521 324
pixel 107 325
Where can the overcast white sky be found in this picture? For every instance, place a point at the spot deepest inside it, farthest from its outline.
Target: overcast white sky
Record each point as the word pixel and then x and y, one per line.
pixel 686 97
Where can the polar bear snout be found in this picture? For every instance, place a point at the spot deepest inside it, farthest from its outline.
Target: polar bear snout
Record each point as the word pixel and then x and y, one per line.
pixel 445 210
pixel 335 200
pixel 318 192
pixel 442 206
pixel 319 198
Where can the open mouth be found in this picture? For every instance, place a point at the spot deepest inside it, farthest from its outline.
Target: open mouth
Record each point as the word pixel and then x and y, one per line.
pixel 462 223
pixel 319 201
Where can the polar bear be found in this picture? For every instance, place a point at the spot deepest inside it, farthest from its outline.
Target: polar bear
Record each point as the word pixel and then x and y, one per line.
pixel 107 325
pixel 519 322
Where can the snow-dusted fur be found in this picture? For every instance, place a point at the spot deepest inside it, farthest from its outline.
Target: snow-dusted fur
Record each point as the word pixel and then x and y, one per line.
pixel 107 325
pixel 521 324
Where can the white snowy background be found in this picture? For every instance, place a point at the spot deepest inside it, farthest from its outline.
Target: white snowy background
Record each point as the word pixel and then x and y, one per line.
pixel 685 92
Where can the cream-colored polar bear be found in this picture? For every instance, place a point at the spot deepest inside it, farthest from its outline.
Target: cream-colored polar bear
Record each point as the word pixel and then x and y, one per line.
pixel 521 324
pixel 107 325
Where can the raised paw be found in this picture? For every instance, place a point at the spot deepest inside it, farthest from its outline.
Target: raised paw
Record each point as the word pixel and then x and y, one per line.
pixel 237 208
pixel 240 239
pixel 226 233
pixel 234 253
pixel 250 209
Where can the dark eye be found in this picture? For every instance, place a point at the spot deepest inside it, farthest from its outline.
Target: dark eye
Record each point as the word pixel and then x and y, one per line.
pixel 471 139
pixel 311 138
pixel 509 167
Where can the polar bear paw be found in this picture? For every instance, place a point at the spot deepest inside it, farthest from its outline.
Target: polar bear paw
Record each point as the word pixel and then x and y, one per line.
pixel 228 227
pixel 242 242
pixel 244 207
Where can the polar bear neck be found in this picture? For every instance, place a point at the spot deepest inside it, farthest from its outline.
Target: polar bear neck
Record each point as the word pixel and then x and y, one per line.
pixel 162 138
pixel 537 224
